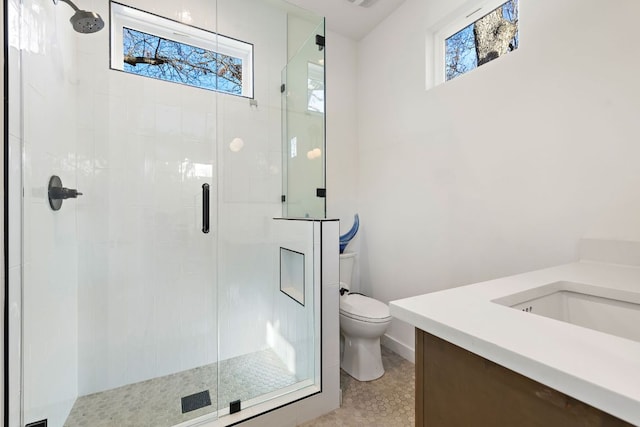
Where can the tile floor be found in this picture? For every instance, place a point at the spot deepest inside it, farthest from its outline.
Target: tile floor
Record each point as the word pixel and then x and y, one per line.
pixel 385 402
pixel 157 402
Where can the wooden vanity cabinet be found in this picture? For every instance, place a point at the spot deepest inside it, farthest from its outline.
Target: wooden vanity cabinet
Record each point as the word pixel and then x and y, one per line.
pixel 457 388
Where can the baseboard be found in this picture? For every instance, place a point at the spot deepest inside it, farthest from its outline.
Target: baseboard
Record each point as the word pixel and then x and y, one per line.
pixel 399 348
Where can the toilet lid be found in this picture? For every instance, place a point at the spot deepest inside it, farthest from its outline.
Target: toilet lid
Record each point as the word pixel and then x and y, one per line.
pixel 360 306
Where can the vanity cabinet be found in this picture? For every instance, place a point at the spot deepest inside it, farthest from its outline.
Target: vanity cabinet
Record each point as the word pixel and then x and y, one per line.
pixel 455 387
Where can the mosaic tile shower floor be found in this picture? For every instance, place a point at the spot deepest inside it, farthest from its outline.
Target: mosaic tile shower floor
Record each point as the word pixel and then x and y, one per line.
pixel 385 402
pixel 157 402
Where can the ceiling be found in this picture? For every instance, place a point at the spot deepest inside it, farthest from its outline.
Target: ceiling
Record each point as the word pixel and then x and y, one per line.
pixel 348 19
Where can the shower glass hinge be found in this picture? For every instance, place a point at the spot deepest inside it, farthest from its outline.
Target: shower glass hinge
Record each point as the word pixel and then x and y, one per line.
pixel 321 192
pixel 283 198
pixel 320 41
pixel 234 406
pixel 283 87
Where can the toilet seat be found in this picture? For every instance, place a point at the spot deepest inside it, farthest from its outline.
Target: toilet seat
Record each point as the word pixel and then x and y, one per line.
pixel 364 309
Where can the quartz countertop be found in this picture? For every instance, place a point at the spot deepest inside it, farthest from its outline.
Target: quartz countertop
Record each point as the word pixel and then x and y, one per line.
pixel 599 369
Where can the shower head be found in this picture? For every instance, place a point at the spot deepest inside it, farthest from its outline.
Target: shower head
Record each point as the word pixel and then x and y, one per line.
pixel 86 22
pixel 83 21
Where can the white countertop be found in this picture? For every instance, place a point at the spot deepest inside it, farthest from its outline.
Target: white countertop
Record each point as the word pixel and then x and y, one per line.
pixel 594 367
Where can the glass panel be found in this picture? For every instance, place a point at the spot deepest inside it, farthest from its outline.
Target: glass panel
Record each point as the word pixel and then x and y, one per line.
pixel 293 330
pixel 303 130
pixel 264 334
pixel 125 298
pixel 119 284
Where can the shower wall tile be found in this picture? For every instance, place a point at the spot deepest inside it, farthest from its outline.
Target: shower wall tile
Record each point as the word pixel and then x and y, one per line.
pixel 252 174
pixel 142 117
pixel 14 295
pixel 199 14
pixel 93 313
pixel 291 332
pixel 14 161
pixel 141 360
pixel 300 234
pixel 15 125
pixel 15 200
pixel 194 124
pixel 50 325
pixel 168 116
pixel 15 315
pixel 123 85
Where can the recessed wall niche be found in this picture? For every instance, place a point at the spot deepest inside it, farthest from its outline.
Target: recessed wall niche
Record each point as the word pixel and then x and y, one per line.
pixel 292 274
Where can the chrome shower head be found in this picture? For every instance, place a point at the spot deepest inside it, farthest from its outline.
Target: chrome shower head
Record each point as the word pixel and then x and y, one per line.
pixel 83 21
pixel 86 22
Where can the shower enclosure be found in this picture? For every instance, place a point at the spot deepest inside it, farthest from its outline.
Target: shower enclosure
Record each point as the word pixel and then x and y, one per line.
pixel 163 279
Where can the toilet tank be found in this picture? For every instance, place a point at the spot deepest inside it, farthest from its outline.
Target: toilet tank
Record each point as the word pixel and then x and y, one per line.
pixel 347 261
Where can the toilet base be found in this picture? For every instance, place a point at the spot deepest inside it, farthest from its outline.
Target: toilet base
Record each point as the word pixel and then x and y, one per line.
pixel 362 358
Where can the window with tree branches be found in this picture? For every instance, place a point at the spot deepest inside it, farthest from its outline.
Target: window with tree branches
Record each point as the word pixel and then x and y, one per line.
pixel 152 46
pixel 471 41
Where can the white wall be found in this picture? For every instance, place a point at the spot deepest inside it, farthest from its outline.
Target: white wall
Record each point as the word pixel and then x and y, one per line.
pixel 502 170
pixel 342 135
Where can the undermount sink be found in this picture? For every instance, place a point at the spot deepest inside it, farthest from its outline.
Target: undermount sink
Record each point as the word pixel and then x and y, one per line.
pixel 606 310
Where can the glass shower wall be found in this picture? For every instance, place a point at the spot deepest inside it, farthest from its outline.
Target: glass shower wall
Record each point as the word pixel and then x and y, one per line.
pixel 50 243
pixel 249 181
pixel 303 122
pixel 248 184
pixel 119 301
pixel 147 315
pixel 131 314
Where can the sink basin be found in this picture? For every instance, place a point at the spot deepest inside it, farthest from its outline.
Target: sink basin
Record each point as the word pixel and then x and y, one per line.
pixel 612 311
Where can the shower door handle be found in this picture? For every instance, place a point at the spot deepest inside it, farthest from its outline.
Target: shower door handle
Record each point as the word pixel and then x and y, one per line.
pixel 205 208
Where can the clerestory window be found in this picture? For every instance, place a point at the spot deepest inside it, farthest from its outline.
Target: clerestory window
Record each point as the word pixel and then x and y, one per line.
pixel 488 31
pixel 152 46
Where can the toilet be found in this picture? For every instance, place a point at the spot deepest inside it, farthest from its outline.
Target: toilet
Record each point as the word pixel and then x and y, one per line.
pixel 363 320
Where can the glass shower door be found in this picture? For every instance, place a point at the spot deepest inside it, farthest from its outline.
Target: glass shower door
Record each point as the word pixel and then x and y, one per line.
pixel 119 300
pixel 268 342
pixel 131 312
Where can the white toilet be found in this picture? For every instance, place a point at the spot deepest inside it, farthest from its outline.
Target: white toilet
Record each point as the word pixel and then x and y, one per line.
pixel 363 321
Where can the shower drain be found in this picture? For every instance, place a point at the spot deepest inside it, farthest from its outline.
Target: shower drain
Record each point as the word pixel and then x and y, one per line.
pixel 195 401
